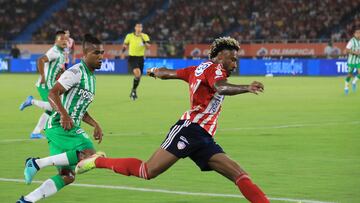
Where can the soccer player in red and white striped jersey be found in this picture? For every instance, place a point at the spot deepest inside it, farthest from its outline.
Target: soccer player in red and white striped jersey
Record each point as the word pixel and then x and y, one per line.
pixel 192 135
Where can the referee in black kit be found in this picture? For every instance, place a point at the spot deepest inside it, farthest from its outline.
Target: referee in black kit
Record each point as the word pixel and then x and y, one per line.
pixel 137 42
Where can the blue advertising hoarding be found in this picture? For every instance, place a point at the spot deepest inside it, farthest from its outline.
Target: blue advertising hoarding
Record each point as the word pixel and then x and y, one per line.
pixel 291 67
pixel 278 67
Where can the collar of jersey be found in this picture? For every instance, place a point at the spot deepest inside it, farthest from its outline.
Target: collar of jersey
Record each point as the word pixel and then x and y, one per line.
pixel 86 68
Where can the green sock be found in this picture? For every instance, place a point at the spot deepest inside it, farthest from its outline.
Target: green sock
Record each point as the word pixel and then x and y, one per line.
pixel 72 157
pixel 347 79
pixel 59 182
pixel 358 76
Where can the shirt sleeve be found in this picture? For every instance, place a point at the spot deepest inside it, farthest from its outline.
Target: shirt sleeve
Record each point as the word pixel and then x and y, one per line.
pixel 184 73
pixel 70 78
pixel 52 54
pixel 127 39
pixel 146 38
pixel 214 74
pixel 349 45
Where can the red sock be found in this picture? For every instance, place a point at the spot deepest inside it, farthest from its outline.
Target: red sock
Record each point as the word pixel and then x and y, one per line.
pixel 124 166
pixel 250 191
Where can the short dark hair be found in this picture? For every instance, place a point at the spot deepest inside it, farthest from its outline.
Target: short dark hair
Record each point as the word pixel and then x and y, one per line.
pixel 223 43
pixel 59 32
pixel 90 39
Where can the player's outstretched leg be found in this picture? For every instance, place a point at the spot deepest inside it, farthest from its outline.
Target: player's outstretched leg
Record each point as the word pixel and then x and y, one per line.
pixel 230 169
pixel 33 165
pixel 26 103
pixel 160 161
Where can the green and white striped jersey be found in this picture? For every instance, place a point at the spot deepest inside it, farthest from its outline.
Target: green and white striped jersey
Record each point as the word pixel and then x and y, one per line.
pixel 354 45
pixel 53 68
pixel 79 83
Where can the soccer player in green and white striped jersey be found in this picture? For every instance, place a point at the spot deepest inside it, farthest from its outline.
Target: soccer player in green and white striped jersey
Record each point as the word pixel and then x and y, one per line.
pixel 353 51
pixel 50 67
pixel 68 142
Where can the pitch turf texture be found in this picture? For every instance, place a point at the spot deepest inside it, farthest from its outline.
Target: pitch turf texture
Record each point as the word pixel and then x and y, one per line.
pixel 298 140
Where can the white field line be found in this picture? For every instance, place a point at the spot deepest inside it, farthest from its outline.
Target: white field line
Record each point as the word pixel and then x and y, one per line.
pixel 169 191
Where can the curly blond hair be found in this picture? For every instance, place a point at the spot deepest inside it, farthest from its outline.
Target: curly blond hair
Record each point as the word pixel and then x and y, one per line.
pixel 223 43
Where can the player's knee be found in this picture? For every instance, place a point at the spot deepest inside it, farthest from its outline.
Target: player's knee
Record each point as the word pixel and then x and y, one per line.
pixel 68 179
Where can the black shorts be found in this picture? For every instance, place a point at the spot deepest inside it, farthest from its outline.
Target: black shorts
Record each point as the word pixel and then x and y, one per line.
pixel 186 139
pixel 136 62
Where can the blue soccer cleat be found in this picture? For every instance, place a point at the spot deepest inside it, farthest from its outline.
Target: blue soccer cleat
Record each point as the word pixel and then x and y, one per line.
pixel 22 200
pixel 31 168
pixel 346 91
pixel 354 87
pixel 26 103
pixel 36 136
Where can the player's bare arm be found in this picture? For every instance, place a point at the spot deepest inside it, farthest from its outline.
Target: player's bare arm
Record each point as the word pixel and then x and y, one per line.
pixel 349 51
pixel 55 102
pixel 123 50
pixel 40 66
pixel 162 73
pixel 224 88
pixel 98 134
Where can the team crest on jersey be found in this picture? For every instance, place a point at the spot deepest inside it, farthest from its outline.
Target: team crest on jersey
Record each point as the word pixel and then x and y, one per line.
pixel 201 68
pixel 181 145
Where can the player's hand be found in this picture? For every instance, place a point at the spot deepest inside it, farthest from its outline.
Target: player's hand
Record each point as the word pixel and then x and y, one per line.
pixel 66 122
pixel 256 87
pixel 42 81
pixel 98 134
pixel 152 72
pixel 357 52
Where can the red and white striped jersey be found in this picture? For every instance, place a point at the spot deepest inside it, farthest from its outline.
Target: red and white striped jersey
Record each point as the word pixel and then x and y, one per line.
pixel 205 101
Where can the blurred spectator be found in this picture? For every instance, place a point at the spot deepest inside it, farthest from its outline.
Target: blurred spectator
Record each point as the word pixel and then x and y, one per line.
pixel 330 51
pixel 15 52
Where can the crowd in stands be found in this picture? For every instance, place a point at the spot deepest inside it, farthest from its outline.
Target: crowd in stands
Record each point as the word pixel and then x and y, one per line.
pixel 172 23
pixel 15 15
pixel 106 19
pixel 298 20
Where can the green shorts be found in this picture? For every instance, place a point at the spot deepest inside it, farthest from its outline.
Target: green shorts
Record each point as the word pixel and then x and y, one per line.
pixel 44 92
pixel 61 141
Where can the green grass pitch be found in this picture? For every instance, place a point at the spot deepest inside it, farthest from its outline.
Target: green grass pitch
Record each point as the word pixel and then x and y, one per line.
pixel 300 139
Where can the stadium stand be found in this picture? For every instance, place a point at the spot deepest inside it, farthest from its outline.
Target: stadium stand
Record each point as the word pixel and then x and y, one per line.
pixel 108 20
pixel 15 15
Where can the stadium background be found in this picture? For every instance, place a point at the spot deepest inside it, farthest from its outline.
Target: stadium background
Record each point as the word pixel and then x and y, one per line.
pixel 299 140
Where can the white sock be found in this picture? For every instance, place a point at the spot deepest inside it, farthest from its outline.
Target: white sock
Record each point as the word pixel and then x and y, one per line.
pixel 46 189
pixel 346 85
pixel 41 123
pixel 56 160
pixel 42 104
pixel 355 80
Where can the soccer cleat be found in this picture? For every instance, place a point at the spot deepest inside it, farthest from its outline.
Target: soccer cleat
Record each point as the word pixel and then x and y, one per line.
pixel 26 103
pixel 354 87
pixel 346 91
pixel 87 164
pixel 133 95
pixel 22 200
pixel 31 168
pixel 36 136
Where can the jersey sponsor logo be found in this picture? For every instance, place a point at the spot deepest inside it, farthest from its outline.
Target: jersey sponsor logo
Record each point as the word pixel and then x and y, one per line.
pixel 181 145
pixel 201 68
pixel 79 131
pixel 217 100
pixel 86 94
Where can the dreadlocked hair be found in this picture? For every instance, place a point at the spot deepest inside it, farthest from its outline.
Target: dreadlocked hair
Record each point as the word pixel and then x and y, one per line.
pixel 223 43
